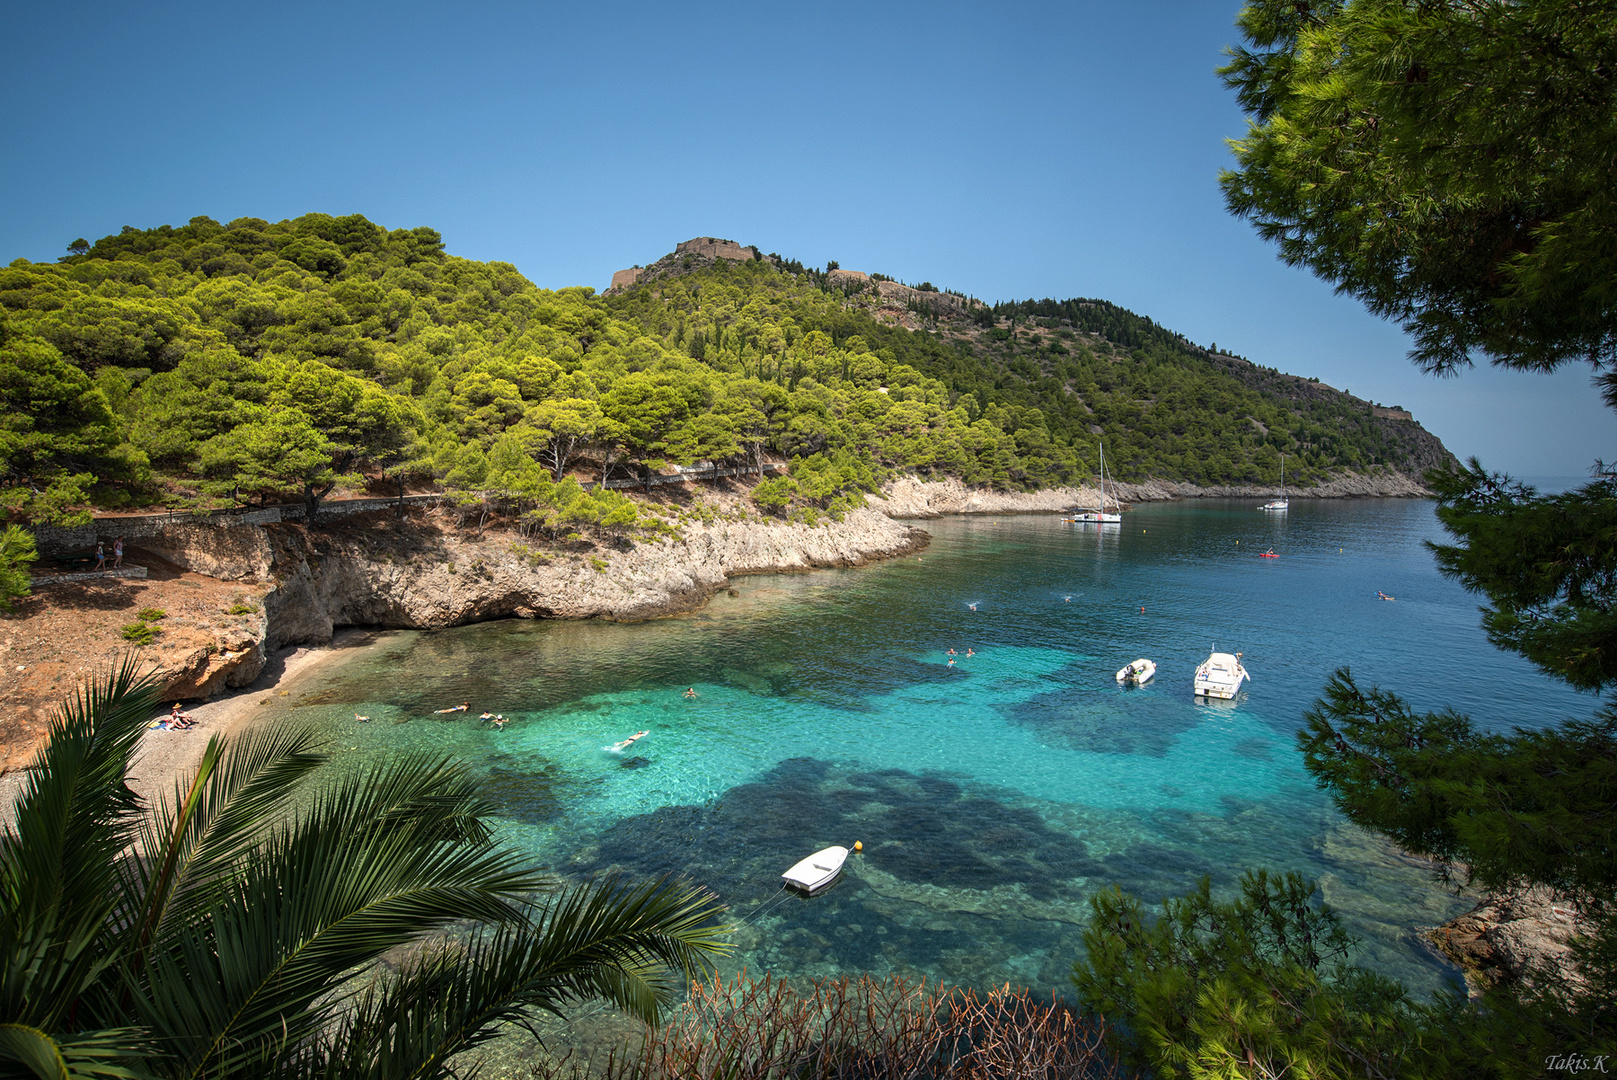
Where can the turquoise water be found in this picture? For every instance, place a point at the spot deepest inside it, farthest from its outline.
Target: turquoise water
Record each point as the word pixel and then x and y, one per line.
pixel 994 796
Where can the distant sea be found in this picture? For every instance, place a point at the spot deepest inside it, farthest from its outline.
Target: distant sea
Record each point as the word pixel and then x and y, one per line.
pixel 992 796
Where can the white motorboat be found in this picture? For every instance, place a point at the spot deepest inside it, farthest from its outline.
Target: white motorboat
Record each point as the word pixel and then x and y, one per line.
pixel 1141 671
pixel 1099 515
pixel 1220 676
pixel 1282 502
pixel 817 871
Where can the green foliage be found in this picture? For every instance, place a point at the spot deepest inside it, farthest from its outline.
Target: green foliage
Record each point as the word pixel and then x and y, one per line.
pixel 257 361
pixel 141 633
pixel 17 554
pixel 1546 563
pixel 1447 164
pixel 151 614
pixel 230 947
pixel 1254 986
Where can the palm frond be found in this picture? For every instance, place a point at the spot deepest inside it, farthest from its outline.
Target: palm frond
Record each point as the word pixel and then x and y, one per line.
pixel 344 883
pixel 598 940
pixel 76 812
pixel 58 862
pixel 192 846
pixel 92 1055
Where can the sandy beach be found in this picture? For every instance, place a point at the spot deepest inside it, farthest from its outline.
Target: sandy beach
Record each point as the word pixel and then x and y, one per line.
pixel 164 756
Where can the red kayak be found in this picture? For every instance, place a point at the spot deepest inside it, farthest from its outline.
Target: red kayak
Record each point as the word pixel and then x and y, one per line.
pixel 1267 555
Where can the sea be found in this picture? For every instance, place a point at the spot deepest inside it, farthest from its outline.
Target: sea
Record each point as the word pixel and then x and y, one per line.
pixel 956 713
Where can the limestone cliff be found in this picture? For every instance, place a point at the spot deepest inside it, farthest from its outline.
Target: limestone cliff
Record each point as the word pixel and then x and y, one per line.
pixel 375 570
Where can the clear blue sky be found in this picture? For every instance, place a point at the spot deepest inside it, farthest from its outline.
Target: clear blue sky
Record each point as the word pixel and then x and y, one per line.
pixel 1009 151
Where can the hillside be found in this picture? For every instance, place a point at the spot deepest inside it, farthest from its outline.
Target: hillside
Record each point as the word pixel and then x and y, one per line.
pixel 213 364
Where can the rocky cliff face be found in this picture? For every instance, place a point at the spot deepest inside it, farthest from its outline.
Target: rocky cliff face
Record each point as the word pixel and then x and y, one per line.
pixel 375 570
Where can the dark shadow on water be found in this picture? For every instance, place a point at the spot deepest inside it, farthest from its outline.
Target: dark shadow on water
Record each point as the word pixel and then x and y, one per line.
pixel 1144 723
pixel 533 798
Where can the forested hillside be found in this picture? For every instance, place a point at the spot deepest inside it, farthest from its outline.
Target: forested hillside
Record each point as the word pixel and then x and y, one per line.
pixel 210 363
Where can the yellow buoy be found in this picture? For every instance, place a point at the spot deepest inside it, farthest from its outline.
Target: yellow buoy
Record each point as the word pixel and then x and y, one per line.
pixel 857 846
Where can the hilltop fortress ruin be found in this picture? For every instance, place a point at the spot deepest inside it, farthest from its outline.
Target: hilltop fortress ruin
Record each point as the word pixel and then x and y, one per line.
pixel 703 250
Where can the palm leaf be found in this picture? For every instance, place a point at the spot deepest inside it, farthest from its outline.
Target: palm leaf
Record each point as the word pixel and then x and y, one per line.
pixel 192 846
pixel 598 940
pixel 93 1055
pixel 351 878
pixel 73 820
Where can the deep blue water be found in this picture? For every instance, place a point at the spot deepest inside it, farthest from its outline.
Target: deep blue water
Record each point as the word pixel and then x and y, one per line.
pixel 994 796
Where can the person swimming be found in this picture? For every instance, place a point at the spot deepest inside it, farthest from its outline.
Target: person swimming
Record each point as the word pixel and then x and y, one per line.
pixel 970 651
pixel 462 707
pixel 972 606
pixel 690 691
pixel 630 741
pixel 362 719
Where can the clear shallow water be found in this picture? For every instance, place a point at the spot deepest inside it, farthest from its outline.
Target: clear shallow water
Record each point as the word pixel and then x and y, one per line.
pixel 995 796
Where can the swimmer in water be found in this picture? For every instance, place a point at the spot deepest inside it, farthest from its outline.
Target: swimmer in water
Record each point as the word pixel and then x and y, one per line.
pixel 951 663
pixel 630 740
pixel 462 707
pixel 362 719
pixel 500 722
pixel 971 652
pixel 690 691
pixel 952 652
pixel 972 606
pixel 486 716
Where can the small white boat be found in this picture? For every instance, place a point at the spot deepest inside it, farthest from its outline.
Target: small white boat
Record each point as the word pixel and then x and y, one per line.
pixel 1220 676
pixel 817 871
pixel 1099 515
pixel 1141 671
pixel 1282 502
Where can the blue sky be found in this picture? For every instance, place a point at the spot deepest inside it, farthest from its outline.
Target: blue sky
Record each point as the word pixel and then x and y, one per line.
pixel 1009 151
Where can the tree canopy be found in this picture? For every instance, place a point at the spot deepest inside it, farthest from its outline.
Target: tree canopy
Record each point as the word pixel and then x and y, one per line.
pixel 1449 164
pixel 256 360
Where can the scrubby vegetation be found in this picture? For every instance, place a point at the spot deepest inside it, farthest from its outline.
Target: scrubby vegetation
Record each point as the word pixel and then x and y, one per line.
pixel 215 363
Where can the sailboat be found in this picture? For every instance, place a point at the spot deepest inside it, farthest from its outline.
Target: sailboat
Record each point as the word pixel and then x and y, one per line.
pixel 1282 502
pixel 1100 515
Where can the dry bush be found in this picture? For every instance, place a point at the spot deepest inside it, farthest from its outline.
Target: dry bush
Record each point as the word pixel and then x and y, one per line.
pixel 858 1029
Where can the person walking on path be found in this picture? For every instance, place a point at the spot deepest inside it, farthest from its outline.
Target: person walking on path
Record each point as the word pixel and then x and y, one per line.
pixel 118 553
pixel 100 556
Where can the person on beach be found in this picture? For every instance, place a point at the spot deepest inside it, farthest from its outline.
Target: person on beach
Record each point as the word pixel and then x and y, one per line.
pixel 462 707
pixel 118 553
pixel 100 557
pixel 690 691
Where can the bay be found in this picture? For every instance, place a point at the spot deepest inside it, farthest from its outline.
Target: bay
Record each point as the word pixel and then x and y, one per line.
pixel 993 795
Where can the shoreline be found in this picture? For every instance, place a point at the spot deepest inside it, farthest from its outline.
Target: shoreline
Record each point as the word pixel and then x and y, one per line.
pixel 164 757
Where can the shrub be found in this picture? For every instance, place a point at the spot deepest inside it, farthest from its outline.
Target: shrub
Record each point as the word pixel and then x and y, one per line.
pixel 865 1027
pixel 151 614
pixel 141 633
pixel 240 608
